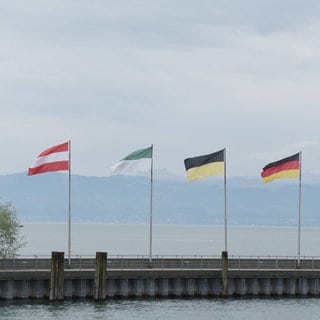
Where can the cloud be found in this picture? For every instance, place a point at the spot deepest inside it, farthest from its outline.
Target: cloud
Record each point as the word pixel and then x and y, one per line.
pixel 189 77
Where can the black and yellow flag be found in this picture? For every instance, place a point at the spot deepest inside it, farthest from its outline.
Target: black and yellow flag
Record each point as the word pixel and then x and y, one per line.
pixel 204 166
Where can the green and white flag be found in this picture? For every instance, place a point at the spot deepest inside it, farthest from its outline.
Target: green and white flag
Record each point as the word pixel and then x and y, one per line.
pixel 139 160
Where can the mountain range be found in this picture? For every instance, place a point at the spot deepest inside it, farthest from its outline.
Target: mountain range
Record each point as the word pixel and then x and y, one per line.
pixel 126 199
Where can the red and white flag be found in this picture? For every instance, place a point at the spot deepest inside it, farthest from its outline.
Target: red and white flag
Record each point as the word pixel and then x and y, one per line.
pixel 55 158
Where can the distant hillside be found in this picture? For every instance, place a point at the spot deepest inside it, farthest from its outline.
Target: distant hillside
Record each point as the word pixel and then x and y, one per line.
pixel 125 199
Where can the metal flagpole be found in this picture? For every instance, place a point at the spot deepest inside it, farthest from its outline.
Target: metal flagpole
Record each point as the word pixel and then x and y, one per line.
pixel 69 207
pixel 299 210
pixel 151 196
pixel 225 201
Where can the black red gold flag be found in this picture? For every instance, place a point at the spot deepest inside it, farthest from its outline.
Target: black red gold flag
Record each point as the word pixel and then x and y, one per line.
pixel 285 168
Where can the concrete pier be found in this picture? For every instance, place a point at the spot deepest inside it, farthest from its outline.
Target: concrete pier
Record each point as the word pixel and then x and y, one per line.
pixel 100 276
pixel 224 272
pixel 57 276
pixel 172 278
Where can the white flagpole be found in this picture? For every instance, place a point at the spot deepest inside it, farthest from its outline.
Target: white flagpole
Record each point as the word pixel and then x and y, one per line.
pixel 151 196
pixel 299 210
pixel 225 201
pixel 69 206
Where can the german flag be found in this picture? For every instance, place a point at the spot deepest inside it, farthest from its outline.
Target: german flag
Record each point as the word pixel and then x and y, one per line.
pixel 204 166
pixel 285 168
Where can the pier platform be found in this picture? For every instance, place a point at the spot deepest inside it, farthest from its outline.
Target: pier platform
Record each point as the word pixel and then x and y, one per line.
pixel 163 277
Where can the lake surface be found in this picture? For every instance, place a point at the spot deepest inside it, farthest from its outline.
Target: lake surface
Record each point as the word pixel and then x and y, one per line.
pixel 86 239
pixel 168 240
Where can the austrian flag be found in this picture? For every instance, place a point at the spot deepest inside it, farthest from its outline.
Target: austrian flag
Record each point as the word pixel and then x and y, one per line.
pixel 55 158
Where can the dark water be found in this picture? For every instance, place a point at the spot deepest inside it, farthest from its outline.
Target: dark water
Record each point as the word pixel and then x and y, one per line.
pixel 237 309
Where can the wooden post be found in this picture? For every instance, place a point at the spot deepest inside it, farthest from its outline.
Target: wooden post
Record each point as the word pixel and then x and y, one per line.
pixel 57 276
pixel 224 271
pixel 100 276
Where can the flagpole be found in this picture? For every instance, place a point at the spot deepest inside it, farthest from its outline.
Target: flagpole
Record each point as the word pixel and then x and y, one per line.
pixel 69 206
pixel 299 210
pixel 151 196
pixel 225 201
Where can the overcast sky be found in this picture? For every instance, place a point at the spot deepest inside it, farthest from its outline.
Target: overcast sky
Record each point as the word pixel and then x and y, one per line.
pixel 190 77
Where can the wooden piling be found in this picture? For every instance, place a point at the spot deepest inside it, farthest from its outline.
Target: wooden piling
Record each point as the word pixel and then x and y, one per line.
pixel 57 276
pixel 224 272
pixel 100 291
